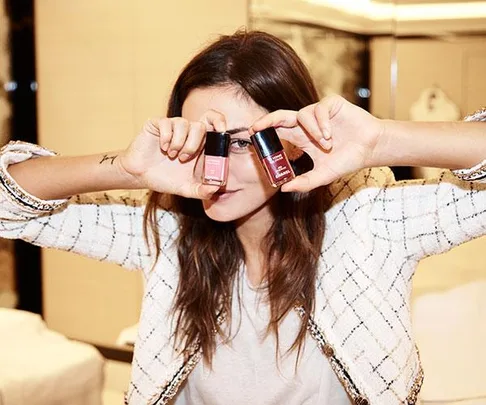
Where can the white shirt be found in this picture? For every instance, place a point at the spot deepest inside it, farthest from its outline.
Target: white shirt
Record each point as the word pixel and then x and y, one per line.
pixel 245 371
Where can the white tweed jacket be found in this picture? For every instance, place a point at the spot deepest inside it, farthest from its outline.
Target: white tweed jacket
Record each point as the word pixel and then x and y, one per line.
pixel 377 230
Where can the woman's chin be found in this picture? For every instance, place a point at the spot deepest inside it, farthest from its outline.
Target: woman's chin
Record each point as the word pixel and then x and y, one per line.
pixel 220 214
pixel 224 210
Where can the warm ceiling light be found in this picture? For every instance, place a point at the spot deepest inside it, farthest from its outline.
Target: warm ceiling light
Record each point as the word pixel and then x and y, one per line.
pixel 386 11
pixel 442 11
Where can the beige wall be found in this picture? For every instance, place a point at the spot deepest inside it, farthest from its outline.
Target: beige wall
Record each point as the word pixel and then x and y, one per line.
pixel 103 68
pixel 381 56
pixel 457 67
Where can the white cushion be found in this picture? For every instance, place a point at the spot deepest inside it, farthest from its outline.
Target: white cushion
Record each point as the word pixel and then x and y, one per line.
pixel 450 330
pixel 14 322
pixel 42 367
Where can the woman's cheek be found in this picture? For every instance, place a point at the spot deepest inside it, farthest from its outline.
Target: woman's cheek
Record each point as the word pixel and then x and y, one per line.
pixel 247 169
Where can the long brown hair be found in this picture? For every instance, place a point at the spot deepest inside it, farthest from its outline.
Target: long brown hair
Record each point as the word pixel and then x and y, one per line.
pixel 210 254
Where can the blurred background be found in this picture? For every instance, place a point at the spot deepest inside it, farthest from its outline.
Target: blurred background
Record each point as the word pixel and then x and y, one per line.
pixel 81 77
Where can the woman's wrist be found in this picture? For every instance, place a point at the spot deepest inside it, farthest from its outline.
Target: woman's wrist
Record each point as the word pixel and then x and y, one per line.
pixel 59 177
pixel 380 148
pixel 130 181
pixel 108 172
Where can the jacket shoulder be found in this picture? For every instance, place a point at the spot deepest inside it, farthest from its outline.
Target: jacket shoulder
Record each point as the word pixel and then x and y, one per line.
pixel 370 180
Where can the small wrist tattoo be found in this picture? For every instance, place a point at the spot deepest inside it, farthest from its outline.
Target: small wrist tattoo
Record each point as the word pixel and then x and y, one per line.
pixel 108 158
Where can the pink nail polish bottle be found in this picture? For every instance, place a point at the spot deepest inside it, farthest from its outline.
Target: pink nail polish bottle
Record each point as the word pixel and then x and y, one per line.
pixel 216 158
pixel 272 156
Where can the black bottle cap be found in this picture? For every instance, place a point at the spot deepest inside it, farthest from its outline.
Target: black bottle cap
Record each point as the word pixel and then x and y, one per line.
pixel 217 143
pixel 266 142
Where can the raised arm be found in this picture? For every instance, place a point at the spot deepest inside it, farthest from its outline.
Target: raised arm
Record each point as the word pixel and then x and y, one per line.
pixel 448 145
pixel 161 158
pixel 51 177
pixel 342 138
pixel 96 225
pixel 43 200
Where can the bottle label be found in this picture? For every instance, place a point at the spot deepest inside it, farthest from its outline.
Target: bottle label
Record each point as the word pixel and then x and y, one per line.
pixel 215 168
pixel 278 168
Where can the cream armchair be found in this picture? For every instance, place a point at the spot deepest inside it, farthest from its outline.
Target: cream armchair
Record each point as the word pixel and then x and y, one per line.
pixel 450 330
pixel 42 367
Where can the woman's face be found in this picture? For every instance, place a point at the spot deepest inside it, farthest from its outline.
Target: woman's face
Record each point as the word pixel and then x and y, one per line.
pixel 247 190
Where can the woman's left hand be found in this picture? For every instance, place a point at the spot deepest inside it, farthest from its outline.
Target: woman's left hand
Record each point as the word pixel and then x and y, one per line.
pixel 339 136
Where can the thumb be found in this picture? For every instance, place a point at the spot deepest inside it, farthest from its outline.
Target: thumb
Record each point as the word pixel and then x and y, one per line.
pixel 203 191
pixel 279 118
pixel 152 127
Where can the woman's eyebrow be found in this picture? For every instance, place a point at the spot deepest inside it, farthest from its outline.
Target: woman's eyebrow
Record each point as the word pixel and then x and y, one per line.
pixel 235 131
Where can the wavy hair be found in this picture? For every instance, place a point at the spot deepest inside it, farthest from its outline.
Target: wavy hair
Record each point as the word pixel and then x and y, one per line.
pixel 210 254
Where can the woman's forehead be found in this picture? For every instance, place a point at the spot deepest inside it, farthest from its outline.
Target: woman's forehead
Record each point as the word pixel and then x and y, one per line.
pixel 227 100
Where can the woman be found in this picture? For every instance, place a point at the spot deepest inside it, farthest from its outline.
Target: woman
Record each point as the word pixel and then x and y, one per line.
pixel 298 295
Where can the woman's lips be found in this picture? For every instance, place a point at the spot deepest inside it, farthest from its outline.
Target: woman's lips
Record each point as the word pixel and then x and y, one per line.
pixel 223 195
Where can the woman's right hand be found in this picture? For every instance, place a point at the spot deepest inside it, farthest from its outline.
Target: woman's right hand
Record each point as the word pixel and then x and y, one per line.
pixel 340 138
pixel 163 156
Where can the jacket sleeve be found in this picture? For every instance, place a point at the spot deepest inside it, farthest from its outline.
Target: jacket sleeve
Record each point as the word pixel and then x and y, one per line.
pixel 98 225
pixel 418 218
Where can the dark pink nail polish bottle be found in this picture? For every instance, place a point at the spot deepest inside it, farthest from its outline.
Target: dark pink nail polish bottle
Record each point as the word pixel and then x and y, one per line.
pixel 216 158
pixel 272 156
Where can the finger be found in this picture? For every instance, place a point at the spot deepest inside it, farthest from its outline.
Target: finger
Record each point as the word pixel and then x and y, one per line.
pixel 151 127
pixel 195 137
pixel 326 144
pixel 214 121
pixel 321 113
pixel 296 136
pixel 279 118
pixel 165 133
pixel 202 191
pixel 307 119
pixel 301 141
pixel 180 129
pixel 307 182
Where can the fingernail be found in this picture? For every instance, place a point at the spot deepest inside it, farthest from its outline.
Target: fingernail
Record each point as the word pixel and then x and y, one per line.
pixel 327 132
pixel 165 146
pixel 288 190
pixel 326 144
pixel 184 156
pixel 172 153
